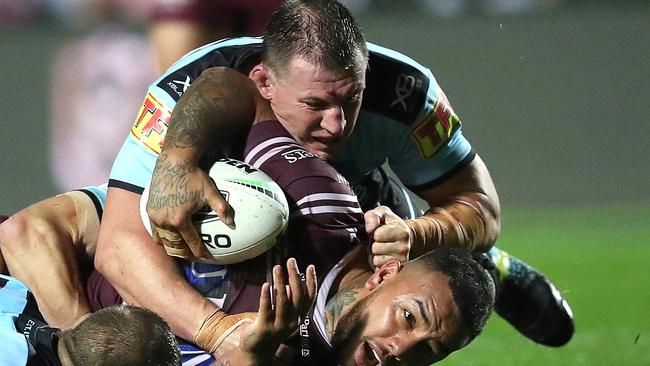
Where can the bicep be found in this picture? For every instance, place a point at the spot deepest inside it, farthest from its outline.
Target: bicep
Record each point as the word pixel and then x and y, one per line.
pixel 217 107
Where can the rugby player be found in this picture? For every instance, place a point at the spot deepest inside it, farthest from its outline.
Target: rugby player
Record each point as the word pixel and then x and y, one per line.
pixel 313 77
pixel 120 335
pixel 326 223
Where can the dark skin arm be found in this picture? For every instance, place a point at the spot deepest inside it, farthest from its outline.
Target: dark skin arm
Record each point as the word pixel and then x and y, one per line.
pixel 219 106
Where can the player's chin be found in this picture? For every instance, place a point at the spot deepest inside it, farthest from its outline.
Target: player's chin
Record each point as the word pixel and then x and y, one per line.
pixel 323 151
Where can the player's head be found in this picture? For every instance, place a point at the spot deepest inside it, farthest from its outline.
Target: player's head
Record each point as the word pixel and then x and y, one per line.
pixel 418 313
pixel 313 72
pixel 120 335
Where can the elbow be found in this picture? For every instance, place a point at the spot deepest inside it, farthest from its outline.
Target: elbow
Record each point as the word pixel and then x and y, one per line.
pixel 15 233
pixel 106 258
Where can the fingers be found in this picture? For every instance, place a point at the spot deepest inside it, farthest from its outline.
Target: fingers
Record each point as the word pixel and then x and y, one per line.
pixel 377 217
pixel 264 312
pixel 292 298
pixel 219 205
pixel 154 235
pixel 173 243
pixel 302 290
pixel 392 240
pixel 282 313
pixel 191 237
pixel 372 222
pixel 396 249
pixel 311 283
pixel 296 286
pixel 394 232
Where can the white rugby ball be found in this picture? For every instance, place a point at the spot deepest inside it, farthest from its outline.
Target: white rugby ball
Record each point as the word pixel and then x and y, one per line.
pixel 261 213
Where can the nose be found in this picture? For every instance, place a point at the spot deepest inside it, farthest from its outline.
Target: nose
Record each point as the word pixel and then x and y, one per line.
pixel 407 349
pixel 399 346
pixel 333 121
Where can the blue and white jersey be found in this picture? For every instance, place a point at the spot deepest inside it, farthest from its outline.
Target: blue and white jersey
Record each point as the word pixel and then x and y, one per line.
pixel 405 118
pixel 13 300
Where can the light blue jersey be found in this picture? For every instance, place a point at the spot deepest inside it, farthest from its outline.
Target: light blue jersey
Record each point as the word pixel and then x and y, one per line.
pixel 13 300
pixel 405 120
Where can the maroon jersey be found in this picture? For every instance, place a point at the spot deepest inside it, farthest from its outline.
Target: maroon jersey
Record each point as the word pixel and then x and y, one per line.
pixel 326 219
pixel 325 222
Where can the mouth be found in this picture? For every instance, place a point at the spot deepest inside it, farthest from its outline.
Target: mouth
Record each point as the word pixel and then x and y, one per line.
pixel 371 357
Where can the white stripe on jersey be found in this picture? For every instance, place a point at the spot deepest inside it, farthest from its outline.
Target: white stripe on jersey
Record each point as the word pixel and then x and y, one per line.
pixel 196 360
pixel 327 196
pixel 325 210
pixel 267 143
pixel 269 154
pixel 219 273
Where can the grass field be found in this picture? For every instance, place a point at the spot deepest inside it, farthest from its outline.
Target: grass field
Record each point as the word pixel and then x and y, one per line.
pixel 599 259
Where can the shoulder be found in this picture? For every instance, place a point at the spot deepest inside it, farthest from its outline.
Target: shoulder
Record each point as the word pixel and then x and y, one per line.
pixel 235 53
pixel 396 85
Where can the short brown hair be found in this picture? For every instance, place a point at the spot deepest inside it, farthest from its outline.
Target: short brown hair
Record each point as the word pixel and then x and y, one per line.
pixel 122 336
pixel 323 32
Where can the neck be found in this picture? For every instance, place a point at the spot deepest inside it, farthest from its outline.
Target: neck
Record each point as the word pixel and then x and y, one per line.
pixel 348 288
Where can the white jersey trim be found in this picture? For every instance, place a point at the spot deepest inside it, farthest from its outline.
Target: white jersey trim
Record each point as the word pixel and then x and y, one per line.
pixel 323 292
pixel 318 210
pixel 267 143
pixel 327 197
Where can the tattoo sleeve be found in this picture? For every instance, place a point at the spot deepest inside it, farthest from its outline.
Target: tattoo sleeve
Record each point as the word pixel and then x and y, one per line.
pixel 217 107
pixel 169 188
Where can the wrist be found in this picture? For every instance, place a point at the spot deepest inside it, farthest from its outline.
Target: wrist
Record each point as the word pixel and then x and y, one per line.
pixel 416 238
pixel 217 327
pixel 182 153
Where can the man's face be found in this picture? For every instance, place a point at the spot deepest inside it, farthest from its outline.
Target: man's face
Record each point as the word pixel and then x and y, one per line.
pixel 408 319
pixel 317 106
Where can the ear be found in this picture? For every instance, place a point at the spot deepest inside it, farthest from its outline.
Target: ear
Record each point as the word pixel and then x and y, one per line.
pixel 261 76
pixel 386 271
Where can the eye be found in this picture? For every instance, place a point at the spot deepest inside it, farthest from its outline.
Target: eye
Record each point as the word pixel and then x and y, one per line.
pixel 410 319
pixel 315 105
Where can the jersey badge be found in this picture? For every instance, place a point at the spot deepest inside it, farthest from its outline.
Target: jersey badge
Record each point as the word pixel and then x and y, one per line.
pixel 437 126
pixel 151 125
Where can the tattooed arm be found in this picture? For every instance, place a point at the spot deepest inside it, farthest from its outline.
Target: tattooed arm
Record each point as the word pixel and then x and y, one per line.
pixel 218 107
pixel 141 271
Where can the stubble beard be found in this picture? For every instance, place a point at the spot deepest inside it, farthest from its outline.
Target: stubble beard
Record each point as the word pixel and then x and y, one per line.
pixel 349 329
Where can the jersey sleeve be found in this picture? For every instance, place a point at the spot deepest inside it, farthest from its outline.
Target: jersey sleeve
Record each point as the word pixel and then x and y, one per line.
pixel 136 159
pixel 433 147
pixel 406 120
pixel 13 299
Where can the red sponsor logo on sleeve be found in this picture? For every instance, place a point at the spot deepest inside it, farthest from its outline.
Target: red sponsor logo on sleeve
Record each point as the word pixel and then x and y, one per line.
pixel 436 127
pixel 151 125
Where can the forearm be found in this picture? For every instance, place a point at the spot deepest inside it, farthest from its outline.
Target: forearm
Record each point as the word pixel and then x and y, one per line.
pixel 467 220
pixel 141 271
pixel 39 246
pixel 465 213
pixel 145 276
